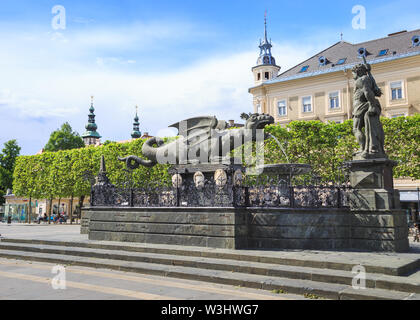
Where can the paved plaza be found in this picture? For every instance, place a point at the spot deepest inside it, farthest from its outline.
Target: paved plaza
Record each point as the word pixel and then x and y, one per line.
pixel 33 280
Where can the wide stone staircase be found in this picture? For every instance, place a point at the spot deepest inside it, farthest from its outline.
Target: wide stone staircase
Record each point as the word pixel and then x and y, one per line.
pixel 289 272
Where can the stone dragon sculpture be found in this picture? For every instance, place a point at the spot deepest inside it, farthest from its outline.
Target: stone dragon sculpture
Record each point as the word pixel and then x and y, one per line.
pixel 201 140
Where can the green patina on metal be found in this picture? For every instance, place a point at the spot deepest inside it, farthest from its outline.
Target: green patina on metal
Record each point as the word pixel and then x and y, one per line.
pixel 91 127
pixel 136 127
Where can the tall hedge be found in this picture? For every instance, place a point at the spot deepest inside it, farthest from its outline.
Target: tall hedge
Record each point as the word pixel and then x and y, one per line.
pixel 324 146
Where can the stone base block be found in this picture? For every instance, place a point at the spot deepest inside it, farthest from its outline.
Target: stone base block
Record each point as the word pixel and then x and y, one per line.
pixel 84 221
pixel 202 227
pixel 267 228
pixel 372 199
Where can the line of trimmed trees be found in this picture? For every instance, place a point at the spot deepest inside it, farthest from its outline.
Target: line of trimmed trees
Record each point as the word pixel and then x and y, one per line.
pixel 63 174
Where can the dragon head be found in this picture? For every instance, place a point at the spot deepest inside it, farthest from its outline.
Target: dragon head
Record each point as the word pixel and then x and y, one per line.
pixel 258 121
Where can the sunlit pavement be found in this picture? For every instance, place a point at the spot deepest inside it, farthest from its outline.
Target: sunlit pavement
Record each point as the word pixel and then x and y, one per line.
pixel 34 281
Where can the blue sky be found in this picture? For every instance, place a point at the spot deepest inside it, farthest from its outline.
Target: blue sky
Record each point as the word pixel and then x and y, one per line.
pixel 175 59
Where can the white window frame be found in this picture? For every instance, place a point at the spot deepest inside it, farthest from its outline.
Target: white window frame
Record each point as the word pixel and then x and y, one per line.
pixel 402 90
pixel 338 107
pixel 258 107
pixel 285 108
pixel 303 106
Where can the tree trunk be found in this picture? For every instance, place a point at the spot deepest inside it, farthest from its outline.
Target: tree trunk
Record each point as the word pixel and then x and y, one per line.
pixel 58 210
pixel 71 210
pixel 49 211
pixel 30 210
pixel 81 200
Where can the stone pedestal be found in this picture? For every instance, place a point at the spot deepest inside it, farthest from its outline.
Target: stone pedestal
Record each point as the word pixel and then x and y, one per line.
pixel 373 185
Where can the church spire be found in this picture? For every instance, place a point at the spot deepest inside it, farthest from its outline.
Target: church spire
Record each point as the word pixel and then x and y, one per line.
pixel 136 126
pixel 265 27
pixel 91 136
pixel 265 48
pixel 266 68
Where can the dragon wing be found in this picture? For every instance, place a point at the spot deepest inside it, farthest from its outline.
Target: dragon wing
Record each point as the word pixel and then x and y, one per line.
pixel 196 130
pixel 204 124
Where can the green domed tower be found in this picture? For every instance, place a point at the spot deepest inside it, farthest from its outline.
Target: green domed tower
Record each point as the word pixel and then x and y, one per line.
pixel 136 127
pixel 91 136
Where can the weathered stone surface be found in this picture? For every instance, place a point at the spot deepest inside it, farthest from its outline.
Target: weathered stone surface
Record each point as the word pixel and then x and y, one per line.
pixel 373 185
pixel 170 215
pixel 379 233
pixel 182 229
pixel 373 199
pixel 381 245
pixel 300 232
pixel 200 241
pixel 309 244
pixel 84 222
pixel 372 174
pixel 391 218
pixel 316 229
pixel 299 217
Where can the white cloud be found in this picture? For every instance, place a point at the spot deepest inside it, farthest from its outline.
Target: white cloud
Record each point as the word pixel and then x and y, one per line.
pixel 53 78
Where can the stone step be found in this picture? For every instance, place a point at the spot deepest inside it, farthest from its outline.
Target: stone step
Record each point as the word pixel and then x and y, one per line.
pixel 378 281
pixel 388 266
pixel 304 287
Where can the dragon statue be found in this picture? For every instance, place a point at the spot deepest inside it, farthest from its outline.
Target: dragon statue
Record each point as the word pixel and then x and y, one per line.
pixel 201 140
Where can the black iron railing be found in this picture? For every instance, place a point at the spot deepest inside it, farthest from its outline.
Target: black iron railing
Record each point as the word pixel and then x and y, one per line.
pixel 212 195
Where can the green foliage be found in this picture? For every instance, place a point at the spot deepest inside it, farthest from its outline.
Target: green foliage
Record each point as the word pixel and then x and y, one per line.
pixel 324 146
pixel 8 158
pixel 402 143
pixel 9 154
pixel 64 139
pixel 64 173
pixel 327 146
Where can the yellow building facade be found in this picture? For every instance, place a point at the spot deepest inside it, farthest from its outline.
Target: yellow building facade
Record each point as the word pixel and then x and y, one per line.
pixel 321 87
pixel 317 91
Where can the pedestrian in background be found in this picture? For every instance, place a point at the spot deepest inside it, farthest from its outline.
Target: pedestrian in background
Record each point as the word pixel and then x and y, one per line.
pixel 416 233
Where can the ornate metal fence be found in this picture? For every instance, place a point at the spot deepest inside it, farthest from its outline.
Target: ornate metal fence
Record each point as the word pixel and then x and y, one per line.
pixel 257 192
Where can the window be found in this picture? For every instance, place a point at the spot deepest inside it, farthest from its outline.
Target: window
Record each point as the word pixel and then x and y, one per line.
pixel 341 61
pixel 383 52
pixel 362 52
pixel 322 61
pixel 267 75
pixel 304 69
pixel 396 90
pixel 307 104
pixel 259 76
pixel 334 100
pixel 415 40
pixel 282 109
pixel 258 108
pixel 398 115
